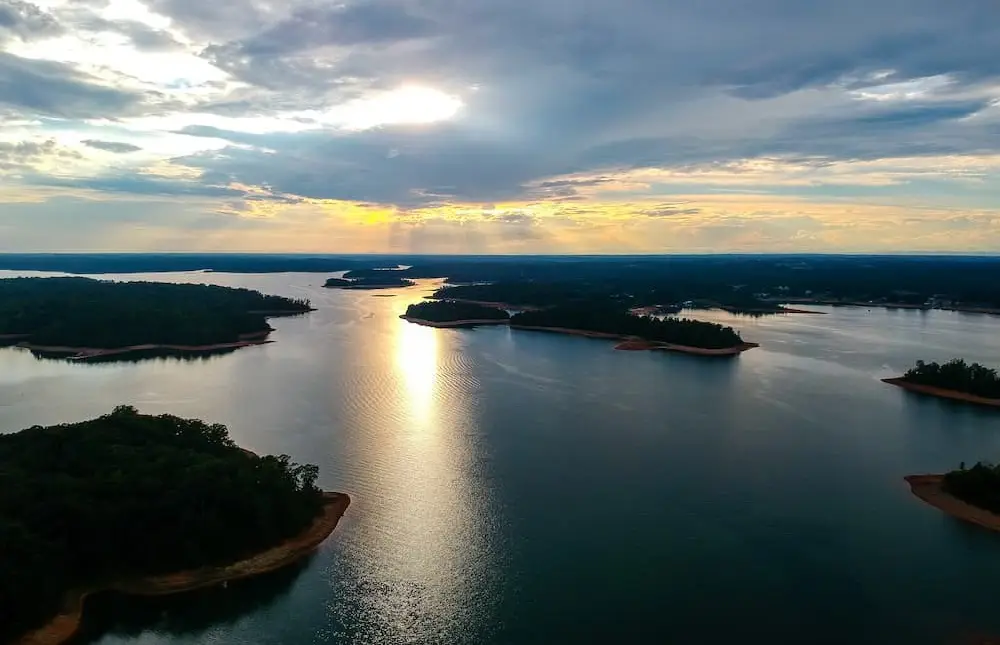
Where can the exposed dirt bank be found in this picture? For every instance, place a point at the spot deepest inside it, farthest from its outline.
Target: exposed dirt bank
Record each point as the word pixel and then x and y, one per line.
pixel 930 489
pixel 940 392
pixel 61 628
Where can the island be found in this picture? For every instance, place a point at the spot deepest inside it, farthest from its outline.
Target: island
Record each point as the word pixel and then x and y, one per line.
pixel 956 380
pixel 372 282
pixel 637 332
pixel 970 494
pixel 86 319
pixel 448 313
pixel 146 505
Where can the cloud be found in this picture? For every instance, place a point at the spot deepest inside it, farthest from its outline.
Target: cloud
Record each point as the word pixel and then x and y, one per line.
pixel 25 20
pixel 669 210
pixel 624 103
pixel 25 155
pixel 57 89
pixel 111 146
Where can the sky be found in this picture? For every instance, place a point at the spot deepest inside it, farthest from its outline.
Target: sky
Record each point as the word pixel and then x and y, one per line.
pixel 500 126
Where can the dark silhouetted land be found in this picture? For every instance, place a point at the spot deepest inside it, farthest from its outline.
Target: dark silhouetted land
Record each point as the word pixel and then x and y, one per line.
pixel 444 313
pixel 142 504
pixel 956 379
pixel 80 316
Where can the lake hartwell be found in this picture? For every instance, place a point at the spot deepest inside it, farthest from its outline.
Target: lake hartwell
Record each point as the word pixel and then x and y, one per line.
pixel 516 487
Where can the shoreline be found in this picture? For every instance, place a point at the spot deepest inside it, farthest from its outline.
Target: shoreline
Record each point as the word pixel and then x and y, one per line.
pixel 84 353
pixel 490 303
pixel 369 287
pixel 989 311
pixel 454 323
pixel 942 393
pixel 630 343
pixel 768 312
pixel 930 490
pixel 65 625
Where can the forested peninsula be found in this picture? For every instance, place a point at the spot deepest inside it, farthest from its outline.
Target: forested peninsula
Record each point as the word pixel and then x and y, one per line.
pixel 638 332
pixel 601 319
pixel 88 318
pixel 956 380
pixel 970 494
pixel 444 313
pixel 142 504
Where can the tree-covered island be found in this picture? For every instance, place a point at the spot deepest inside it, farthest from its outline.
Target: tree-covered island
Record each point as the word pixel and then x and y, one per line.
pixel 956 379
pixel 445 313
pixel 87 317
pixel 142 504
pixel 640 332
pixel 369 282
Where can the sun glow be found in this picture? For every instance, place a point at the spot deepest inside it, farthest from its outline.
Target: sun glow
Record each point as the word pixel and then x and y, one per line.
pixel 410 104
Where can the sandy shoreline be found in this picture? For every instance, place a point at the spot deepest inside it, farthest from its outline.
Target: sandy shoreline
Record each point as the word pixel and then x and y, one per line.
pixel 85 353
pixel 630 343
pixel 929 489
pixel 993 311
pixel 942 393
pixel 61 628
pixel 454 323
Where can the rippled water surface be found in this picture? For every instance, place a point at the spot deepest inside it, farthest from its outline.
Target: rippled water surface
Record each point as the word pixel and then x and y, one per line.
pixel 517 487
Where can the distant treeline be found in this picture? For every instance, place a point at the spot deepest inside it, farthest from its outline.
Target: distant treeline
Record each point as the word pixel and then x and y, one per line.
pixel 957 375
pixel 80 312
pixel 612 320
pixel 742 283
pixel 128 495
pixel 979 485
pixel 168 262
pixel 448 311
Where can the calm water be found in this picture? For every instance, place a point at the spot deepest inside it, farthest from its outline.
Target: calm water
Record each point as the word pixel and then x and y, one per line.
pixel 515 487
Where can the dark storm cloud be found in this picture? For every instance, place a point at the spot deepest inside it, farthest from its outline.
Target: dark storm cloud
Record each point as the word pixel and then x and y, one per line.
pixel 337 25
pixel 564 88
pixel 583 87
pixel 57 89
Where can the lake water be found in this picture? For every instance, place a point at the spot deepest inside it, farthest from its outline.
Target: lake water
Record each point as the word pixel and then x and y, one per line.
pixel 517 487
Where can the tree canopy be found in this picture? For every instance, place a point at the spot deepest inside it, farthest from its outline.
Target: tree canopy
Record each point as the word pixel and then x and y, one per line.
pixel 957 375
pixel 376 281
pixel 80 312
pixel 979 485
pixel 450 311
pixel 128 495
pixel 607 318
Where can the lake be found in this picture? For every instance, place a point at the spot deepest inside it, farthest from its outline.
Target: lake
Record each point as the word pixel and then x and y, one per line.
pixel 515 487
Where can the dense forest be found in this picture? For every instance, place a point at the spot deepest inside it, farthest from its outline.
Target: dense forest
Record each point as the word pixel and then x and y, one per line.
pixel 741 282
pixel 979 485
pixel 370 282
pixel 957 375
pixel 609 319
pixel 129 495
pixel 448 311
pixel 172 262
pixel 80 312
